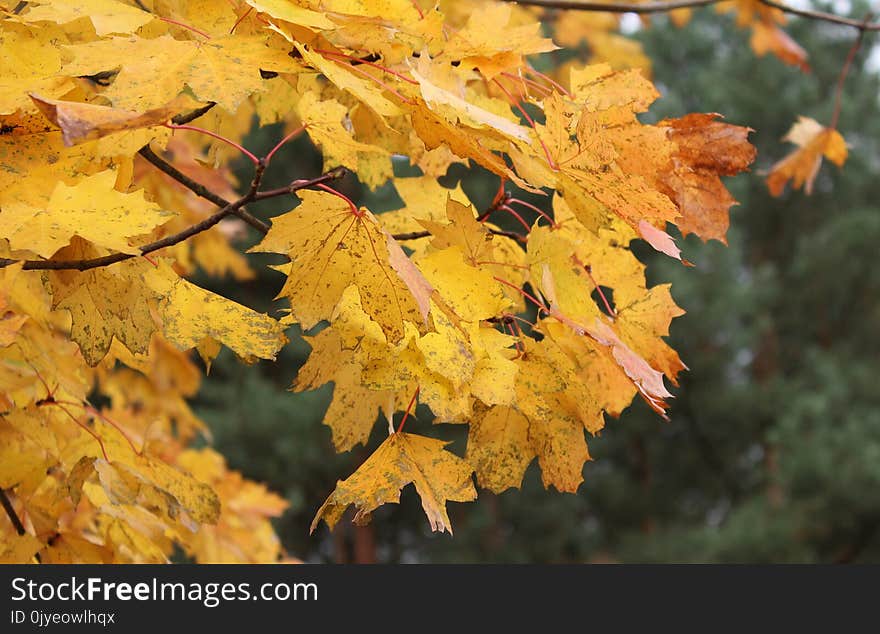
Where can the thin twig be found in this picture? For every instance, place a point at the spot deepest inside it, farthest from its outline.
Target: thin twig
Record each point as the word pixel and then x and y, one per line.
pixel 194 186
pixel 411 235
pixel 303 183
pixel 616 7
pixel 408 408
pixel 10 511
pixel 823 16
pixel 416 235
pixel 671 5
pixel 238 146
pixel 838 92
pixel 200 190
pixel 185 26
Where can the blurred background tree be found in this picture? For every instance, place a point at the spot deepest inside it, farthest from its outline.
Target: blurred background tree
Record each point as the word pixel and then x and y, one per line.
pixel 773 451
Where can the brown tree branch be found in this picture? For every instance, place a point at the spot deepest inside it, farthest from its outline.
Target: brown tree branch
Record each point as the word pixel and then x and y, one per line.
pixel 838 91
pixel 411 235
pixel 198 189
pixel 616 7
pixel 670 5
pixel 13 516
pixel 302 183
pixel 822 16
pixel 415 235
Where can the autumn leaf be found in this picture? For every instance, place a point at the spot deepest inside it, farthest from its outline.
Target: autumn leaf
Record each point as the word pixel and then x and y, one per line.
pixel 92 209
pixel 328 124
pixel 453 107
pixel 705 150
pixel 107 16
pixel 767 34
pixel 801 166
pixel 438 476
pixel 192 317
pixel 19 548
pixel 363 89
pixel 332 248
pixel 499 448
pixel 83 121
pixel 152 72
pixel 646 379
pixel 243 531
pixel 353 411
pixel 290 12
pixel 105 303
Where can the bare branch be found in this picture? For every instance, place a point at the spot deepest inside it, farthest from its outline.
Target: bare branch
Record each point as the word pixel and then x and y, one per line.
pixel 13 517
pixel 647 7
pixel 198 189
pixel 415 235
pixel 671 5
pixel 296 185
pixel 195 187
pixel 824 17
pixel 853 51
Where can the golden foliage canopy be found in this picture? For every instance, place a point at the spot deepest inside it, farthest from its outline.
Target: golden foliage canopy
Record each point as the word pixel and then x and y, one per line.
pixel 508 332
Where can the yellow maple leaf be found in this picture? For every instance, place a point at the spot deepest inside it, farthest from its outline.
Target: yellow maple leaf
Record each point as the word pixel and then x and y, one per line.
pixel 471 292
pixel 344 79
pixel 499 447
pixel 438 475
pixel 455 108
pixel 354 408
pixel 92 209
pixel 801 166
pixel 291 12
pixel 243 532
pixel 104 303
pixel 152 72
pixel 329 126
pixel 561 406
pixel 191 316
pixel 332 248
pixel 29 60
pixel 644 322
pixel 107 16
pixel 494 41
pixel 16 549
pixel 425 200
